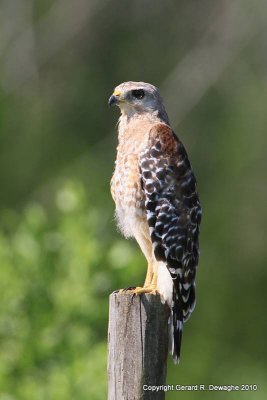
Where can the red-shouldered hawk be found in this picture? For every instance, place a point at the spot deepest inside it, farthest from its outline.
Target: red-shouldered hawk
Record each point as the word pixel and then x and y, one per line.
pixel 156 199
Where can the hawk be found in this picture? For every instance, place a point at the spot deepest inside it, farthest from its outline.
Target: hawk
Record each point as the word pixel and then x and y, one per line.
pixel 155 193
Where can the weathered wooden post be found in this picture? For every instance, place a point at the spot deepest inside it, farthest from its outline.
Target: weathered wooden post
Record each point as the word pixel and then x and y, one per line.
pixel 138 346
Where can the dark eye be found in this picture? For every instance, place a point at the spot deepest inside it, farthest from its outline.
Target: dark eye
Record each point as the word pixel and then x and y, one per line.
pixel 138 93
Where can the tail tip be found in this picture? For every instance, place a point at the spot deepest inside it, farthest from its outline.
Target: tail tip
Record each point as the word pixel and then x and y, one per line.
pixel 176 359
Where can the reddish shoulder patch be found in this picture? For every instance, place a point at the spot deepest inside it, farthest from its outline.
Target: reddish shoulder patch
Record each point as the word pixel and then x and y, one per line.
pixel 165 135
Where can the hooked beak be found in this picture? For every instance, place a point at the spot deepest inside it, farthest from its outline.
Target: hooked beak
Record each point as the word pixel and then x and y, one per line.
pixel 114 99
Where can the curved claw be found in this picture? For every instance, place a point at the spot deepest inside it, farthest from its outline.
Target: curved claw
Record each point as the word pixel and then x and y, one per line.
pixel 149 289
pixel 128 288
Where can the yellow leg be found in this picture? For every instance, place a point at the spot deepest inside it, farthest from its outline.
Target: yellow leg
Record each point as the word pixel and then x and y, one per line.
pixel 153 285
pixel 150 282
pixel 143 239
pixel 149 274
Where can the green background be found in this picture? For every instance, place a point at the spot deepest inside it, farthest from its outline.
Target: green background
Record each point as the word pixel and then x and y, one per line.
pixel 60 254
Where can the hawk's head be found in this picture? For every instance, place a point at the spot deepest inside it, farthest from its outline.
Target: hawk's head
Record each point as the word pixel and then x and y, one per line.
pixel 138 97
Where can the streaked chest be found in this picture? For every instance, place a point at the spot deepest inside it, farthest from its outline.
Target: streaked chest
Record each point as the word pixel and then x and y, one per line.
pixel 126 185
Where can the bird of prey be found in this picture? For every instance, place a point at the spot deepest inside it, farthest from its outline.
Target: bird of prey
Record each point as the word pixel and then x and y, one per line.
pixel 154 190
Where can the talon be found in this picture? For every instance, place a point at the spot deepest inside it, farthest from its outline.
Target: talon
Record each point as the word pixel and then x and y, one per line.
pixel 148 289
pixel 132 297
pixel 128 288
pixel 136 290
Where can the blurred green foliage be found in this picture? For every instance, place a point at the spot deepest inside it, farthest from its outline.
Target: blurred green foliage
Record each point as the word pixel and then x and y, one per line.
pixel 60 255
pixel 55 280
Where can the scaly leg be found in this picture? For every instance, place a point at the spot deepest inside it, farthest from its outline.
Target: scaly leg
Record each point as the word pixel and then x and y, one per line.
pixel 148 281
pixel 153 285
pixel 142 237
pixel 149 274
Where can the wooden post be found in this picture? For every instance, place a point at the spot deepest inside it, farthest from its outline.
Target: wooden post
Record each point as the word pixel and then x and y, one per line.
pixel 138 346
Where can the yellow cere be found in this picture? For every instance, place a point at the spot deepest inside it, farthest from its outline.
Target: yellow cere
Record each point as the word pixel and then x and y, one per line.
pixel 117 92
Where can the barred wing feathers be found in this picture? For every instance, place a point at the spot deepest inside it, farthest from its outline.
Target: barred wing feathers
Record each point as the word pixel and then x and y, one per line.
pixel 174 215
